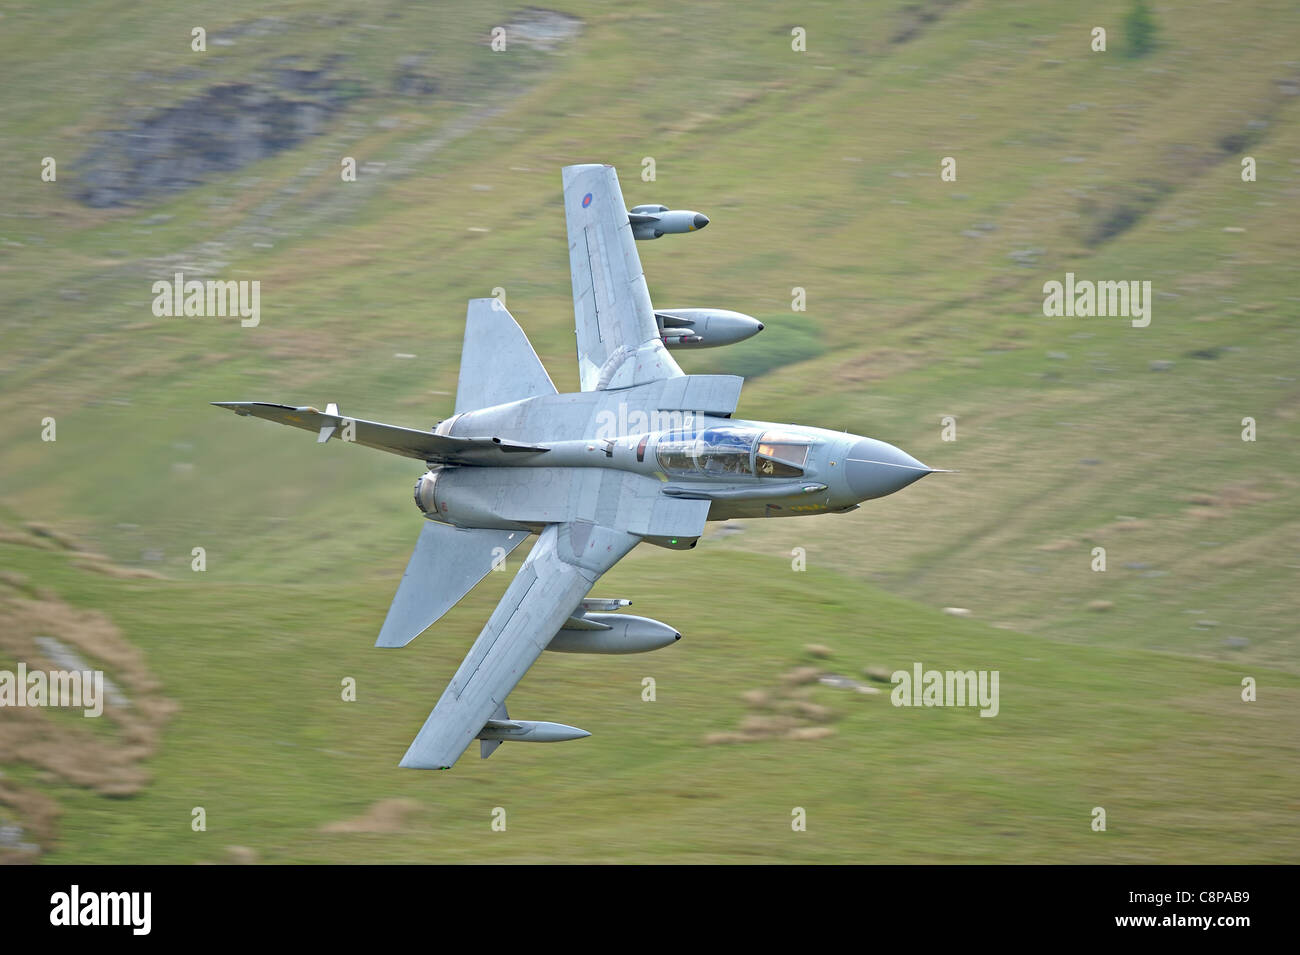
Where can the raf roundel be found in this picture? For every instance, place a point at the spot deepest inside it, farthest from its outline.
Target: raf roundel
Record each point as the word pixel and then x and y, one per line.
pixel 586 200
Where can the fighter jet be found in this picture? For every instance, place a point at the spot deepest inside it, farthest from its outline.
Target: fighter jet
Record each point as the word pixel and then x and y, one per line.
pixel 642 453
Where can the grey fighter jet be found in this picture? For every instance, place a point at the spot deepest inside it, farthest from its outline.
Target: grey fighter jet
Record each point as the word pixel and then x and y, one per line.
pixel 643 452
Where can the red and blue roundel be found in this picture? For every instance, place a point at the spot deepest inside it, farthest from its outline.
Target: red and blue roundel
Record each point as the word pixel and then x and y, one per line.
pixel 586 200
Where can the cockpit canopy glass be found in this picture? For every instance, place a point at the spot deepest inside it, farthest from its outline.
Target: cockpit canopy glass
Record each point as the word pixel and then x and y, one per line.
pixel 782 454
pixel 714 452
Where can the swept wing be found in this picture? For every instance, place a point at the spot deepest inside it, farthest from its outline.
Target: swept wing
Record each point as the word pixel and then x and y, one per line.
pixel 408 442
pixel 618 340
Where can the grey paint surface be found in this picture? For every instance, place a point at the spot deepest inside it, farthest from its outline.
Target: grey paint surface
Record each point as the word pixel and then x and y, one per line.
pixel 493 339
pixel 446 564
pixel 642 453
pixel 562 566
pixel 618 338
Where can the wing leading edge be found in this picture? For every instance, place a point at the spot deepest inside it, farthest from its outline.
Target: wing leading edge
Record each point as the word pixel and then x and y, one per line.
pixel 408 442
pixel 562 567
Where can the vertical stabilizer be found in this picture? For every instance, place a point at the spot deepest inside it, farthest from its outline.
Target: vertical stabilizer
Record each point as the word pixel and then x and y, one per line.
pixel 497 362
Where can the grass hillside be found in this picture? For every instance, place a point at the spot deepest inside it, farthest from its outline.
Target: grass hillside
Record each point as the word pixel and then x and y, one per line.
pixel 819 170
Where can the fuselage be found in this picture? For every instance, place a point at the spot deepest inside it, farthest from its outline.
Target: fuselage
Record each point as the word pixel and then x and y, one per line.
pixel 746 469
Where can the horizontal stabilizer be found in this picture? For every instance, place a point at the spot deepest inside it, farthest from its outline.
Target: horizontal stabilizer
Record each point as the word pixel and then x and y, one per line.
pixel 446 564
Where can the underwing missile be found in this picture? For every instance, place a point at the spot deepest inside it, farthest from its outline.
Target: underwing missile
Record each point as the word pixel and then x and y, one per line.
pixel 650 222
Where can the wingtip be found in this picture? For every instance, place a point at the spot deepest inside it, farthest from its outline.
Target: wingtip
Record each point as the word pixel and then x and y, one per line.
pixel 409 763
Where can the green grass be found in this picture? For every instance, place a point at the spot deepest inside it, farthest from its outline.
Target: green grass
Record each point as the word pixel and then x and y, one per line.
pixel 818 170
pixel 1185 770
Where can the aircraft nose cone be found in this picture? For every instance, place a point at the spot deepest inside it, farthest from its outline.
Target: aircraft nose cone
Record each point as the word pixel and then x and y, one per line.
pixel 874 469
pixel 701 220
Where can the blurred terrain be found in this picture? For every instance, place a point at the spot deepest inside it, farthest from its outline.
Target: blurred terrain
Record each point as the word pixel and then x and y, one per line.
pixel 820 171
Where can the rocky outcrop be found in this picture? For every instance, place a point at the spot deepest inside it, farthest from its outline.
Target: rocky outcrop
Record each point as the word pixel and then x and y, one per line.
pixel 222 129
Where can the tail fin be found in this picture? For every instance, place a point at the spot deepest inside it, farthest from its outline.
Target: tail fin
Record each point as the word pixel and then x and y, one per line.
pixel 497 363
pixel 446 564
